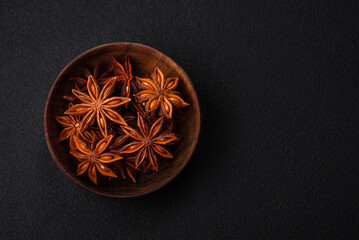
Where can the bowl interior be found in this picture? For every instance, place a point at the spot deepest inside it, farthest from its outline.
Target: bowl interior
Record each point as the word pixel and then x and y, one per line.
pixel 143 61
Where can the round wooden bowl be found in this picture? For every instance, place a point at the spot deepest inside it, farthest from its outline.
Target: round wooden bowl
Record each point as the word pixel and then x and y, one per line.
pixel 143 60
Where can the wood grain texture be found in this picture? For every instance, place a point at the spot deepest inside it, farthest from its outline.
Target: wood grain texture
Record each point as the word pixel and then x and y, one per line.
pixel 143 60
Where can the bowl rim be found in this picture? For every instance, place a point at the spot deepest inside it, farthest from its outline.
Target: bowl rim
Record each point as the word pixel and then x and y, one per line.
pixel 77 180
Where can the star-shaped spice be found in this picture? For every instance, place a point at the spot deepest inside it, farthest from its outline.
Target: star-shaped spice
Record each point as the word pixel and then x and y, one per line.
pixel 96 74
pixel 123 75
pixel 159 93
pixel 148 142
pixel 97 105
pixel 71 126
pixel 92 159
pixel 126 167
pixel 82 82
pixel 118 142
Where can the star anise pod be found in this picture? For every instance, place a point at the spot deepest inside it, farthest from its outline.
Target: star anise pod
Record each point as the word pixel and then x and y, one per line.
pixel 92 159
pixel 98 134
pixel 126 167
pixel 118 141
pixel 72 98
pixel 72 126
pixel 159 93
pixel 83 81
pixel 123 75
pixel 97 105
pixel 147 142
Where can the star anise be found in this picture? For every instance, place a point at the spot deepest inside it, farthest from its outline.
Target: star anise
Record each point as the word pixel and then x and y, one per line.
pixel 72 98
pixel 148 142
pixel 92 159
pixel 118 141
pixel 71 126
pixel 83 81
pixel 123 76
pixel 159 93
pixel 126 167
pixel 99 135
pixel 97 105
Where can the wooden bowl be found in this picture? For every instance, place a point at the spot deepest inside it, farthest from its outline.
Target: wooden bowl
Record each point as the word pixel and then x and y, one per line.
pixel 143 59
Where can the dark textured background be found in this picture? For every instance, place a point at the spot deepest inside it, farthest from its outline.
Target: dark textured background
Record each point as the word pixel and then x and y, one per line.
pixel 278 156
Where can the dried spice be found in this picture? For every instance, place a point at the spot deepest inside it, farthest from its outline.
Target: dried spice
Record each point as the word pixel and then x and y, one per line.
pixel 98 106
pixel 159 93
pixel 123 76
pixel 93 158
pixel 98 123
pixel 126 168
pixel 83 81
pixel 71 129
pixel 147 142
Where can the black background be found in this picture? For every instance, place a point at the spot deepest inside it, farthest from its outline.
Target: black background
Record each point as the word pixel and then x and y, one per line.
pixel 278 83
